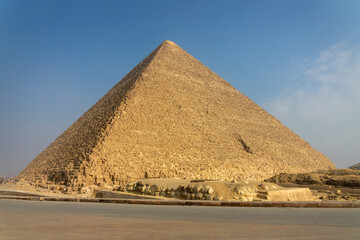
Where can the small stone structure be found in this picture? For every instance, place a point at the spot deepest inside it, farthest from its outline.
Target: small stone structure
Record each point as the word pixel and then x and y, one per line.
pixel 290 194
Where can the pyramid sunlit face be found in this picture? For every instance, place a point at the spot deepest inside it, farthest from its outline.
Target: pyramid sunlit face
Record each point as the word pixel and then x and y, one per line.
pixel 172 117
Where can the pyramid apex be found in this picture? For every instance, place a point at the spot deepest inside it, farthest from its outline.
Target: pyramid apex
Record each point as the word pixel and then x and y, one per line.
pixel 169 43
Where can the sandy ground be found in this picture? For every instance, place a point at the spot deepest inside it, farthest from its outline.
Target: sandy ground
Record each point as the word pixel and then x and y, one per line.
pixel 40 191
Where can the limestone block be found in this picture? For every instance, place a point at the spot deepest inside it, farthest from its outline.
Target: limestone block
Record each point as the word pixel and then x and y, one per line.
pixel 197 188
pixel 190 188
pixel 290 194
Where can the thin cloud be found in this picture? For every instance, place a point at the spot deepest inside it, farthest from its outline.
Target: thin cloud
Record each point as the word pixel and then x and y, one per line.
pixel 322 104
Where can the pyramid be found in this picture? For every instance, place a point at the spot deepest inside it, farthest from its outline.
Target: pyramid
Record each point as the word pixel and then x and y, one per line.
pixel 172 117
pixel 355 166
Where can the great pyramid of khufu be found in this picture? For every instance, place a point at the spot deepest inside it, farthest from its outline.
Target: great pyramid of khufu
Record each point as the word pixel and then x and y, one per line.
pixel 172 117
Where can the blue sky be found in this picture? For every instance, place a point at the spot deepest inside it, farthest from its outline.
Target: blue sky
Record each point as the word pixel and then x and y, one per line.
pixel 299 60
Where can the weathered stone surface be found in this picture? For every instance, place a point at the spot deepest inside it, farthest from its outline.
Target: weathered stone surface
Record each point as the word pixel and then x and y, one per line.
pixel 290 194
pixel 337 177
pixel 172 117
